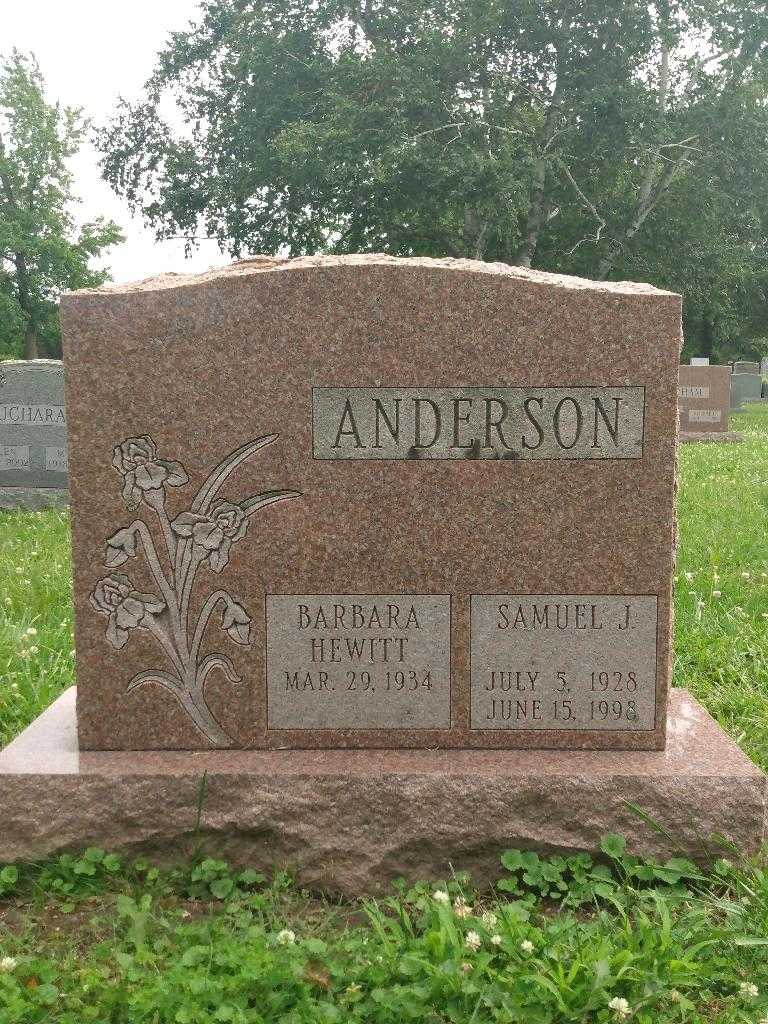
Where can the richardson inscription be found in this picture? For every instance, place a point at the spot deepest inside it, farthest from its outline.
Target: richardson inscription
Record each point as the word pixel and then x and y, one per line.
pixel 478 423
pixel 581 662
pixel 358 661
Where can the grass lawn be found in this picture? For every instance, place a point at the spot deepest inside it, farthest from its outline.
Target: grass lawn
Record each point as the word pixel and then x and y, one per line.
pixel 92 939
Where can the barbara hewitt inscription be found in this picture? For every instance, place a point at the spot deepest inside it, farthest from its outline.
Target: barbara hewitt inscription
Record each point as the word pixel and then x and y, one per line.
pixel 478 423
pixel 363 662
pixel 580 662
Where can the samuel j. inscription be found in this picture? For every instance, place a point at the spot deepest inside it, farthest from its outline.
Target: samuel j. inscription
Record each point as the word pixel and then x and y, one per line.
pixel 566 662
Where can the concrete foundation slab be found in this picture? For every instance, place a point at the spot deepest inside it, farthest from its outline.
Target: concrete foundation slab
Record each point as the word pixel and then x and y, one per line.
pixel 352 821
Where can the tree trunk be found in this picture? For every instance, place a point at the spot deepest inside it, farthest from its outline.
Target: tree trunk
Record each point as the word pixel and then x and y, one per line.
pixel 535 216
pixel 31 350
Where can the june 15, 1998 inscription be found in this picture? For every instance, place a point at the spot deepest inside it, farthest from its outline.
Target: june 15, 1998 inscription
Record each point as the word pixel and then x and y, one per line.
pixel 358 661
pixel 582 662
pixel 478 423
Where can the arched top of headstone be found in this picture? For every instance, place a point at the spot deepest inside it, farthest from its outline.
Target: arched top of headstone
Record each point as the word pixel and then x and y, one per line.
pixel 273 265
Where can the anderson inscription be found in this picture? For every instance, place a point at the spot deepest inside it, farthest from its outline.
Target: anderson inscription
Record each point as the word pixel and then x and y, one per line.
pixel 358 661
pixel 580 662
pixel 478 423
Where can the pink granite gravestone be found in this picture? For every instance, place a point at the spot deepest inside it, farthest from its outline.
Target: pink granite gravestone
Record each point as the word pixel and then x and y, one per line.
pixel 366 502
pixel 704 402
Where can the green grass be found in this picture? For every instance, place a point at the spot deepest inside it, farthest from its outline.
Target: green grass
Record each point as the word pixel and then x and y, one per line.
pixel 560 940
pixel 89 938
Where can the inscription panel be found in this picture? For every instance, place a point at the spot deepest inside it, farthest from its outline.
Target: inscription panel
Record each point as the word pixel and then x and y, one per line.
pixel 33 425
pixel 705 415
pixel 55 460
pixel 478 423
pixel 581 662
pixel 358 661
pixel 692 391
pixel 14 457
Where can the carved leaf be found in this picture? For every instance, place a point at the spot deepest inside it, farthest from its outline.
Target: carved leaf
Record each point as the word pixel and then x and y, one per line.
pixel 251 505
pixel 212 485
pixel 120 547
pixel 217 661
pixel 155 676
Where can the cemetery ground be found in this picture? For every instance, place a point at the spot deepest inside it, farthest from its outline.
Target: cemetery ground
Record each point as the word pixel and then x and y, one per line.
pixel 96 937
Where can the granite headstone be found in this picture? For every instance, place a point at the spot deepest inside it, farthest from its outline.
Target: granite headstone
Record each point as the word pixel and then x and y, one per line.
pixel 33 434
pixel 704 398
pixel 372 502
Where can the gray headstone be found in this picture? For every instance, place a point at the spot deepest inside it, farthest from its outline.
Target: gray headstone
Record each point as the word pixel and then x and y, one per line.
pixel 700 361
pixel 746 366
pixel 33 434
pixel 745 387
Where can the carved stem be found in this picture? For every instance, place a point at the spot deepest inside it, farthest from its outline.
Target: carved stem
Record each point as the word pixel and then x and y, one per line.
pixel 192 564
pixel 202 622
pixel 165 642
pixel 168 593
pixel 157 503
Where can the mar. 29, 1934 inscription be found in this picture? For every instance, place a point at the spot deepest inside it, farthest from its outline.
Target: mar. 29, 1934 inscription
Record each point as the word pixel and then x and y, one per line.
pixel 358 661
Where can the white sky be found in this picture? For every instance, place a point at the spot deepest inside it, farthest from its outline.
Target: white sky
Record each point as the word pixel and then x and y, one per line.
pixel 91 51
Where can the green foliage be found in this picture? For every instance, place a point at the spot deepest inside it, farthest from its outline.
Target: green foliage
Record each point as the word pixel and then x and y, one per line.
pixel 615 139
pixel 577 879
pixel 42 253
pixel 654 953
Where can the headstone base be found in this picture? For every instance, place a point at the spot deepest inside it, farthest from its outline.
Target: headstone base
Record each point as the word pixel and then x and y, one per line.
pixel 713 437
pixel 33 498
pixel 352 821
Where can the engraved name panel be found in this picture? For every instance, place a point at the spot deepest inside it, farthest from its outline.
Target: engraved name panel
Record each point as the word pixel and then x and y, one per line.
pixel 55 460
pixel 14 456
pixel 582 662
pixel 705 415
pixel 358 661
pixel 692 391
pixel 478 423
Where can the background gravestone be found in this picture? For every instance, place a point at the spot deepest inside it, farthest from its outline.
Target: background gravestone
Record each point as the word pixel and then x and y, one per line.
pixel 704 397
pixel 33 434
pixel 746 386
pixel 746 366
pixel 366 501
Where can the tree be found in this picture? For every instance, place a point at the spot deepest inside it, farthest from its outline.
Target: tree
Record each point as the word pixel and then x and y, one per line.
pixel 41 251
pixel 562 134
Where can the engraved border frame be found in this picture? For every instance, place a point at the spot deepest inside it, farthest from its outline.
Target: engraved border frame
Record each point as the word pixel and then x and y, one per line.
pixel 480 387
pixel 544 729
pixel 361 728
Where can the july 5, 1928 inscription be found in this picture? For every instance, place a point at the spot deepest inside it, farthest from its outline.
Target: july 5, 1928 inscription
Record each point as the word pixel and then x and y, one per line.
pixel 358 661
pixel 577 662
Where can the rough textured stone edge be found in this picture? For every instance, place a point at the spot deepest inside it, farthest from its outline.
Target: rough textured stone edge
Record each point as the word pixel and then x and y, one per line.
pixel 711 437
pixel 33 498
pixel 262 264
pixel 351 822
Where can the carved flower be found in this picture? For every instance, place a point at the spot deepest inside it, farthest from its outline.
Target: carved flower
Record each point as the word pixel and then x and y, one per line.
pixel 237 623
pixel 214 533
pixel 115 597
pixel 120 547
pixel 136 458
